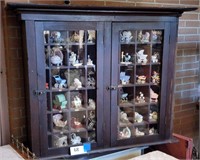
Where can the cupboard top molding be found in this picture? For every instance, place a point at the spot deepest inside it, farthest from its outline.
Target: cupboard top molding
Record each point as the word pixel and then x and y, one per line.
pixel 67 9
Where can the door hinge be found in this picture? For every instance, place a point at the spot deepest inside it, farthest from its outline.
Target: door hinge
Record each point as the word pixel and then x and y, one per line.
pixel 38 92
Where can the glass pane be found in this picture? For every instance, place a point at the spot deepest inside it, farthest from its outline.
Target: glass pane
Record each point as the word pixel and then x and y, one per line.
pixel 140 67
pixel 70 58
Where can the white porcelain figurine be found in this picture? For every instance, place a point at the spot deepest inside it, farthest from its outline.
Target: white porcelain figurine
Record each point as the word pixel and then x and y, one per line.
pixel 141 57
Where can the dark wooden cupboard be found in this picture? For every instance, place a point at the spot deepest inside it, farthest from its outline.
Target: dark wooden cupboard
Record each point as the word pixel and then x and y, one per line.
pixel 101 76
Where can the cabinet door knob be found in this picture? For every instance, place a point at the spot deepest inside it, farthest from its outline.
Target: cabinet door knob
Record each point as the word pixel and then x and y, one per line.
pixel 38 92
pixel 112 88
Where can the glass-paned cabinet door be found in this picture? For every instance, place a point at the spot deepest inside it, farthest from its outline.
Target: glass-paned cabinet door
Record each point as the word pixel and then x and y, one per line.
pixel 137 74
pixel 71 109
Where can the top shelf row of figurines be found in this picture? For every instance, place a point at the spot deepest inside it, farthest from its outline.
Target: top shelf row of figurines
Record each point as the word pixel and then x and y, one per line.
pixel 89 36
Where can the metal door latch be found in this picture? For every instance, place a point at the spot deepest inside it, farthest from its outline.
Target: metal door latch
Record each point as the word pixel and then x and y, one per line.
pixel 39 92
pixel 112 88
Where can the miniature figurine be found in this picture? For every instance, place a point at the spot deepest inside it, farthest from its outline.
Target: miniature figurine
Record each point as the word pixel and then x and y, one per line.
pixel 89 61
pixel 152 131
pixel 141 79
pixel 126 36
pixel 75 123
pixel 92 137
pixel 56 60
pixel 123 117
pixel 124 78
pixel 143 38
pixel 77 83
pixel 155 77
pixel 125 133
pixel 153 116
pixel 153 96
pixel 154 58
pixel 60 101
pixel 91 36
pixel 154 36
pixel 76 103
pixel 91 82
pixel 61 142
pixel 138 132
pixel 75 37
pixel 58 122
pixel 141 98
pixel 56 37
pixel 91 103
pixel 138 117
pixel 58 82
pixel 141 57
pixel 57 57
pixel 73 60
pixel 124 97
pixel 140 35
pixel 91 120
pixel 75 139
pixel 127 57
pixel 157 36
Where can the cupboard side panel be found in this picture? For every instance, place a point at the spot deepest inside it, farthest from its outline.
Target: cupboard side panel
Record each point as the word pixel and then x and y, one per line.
pixel 31 85
pixel 41 80
pixel 171 75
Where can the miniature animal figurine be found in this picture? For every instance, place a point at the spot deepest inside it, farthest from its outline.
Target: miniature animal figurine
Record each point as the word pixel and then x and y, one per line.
pixel 77 83
pixel 91 103
pixel 138 132
pixel 138 117
pixel 125 133
pixel 123 117
pixel 75 139
pixel 58 122
pixel 153 116
pixel 61 142
pixel 154 58
pixel 91 36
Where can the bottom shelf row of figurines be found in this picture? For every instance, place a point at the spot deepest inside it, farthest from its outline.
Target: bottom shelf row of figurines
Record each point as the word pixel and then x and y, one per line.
pixel 137 131
pixel 64 140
